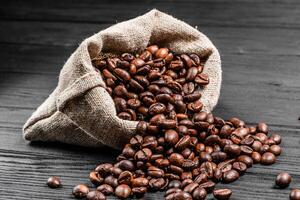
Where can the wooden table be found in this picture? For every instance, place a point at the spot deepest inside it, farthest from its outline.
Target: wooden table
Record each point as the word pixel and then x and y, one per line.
pixel 259 42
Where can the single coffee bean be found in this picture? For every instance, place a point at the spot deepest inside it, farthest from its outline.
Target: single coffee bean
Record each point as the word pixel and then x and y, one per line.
pixel 105 189
pixel 53 182
pixel 245 159
pixel 275 149
pixel 176 159
pixel 183 143
pixel 201 178
pixel 230 176
pixel 125 178
pixel 233 150
pixel 112 181
pixel 276 138
pixel 241 167
pixel 199 193
pixel 95 178
pixel 155 172
pixel 295 194
pixel 139 191
pixel 95 195
pixel 104 169
pixel 256 157
pixel 190 187
pixel 222 194
pixel 174 184
pixel 80 191
pixel 263 128
pixel 123 191
pixel 268 158
pixel 209 186
pixel 157 183
pixel 283 180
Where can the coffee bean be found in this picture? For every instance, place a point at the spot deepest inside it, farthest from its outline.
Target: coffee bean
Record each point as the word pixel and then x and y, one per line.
pixel 95 178
pixel 283 180
pixel 262 127
pixel 199 193
pixel 174 184
pixel 105 189
pixel 125 178
pixel 209 186
pixel 241 167
pixel 230 176
pixel 201 178
pixel 268 158
pixel 156 183
pixel 53 182
pixel 140 182
pixel 139 191
pixel 183 142
pixel 233 150
pixel 123 191
pixel 275 149
pixel 155 172
pixel 276 138
pixel 176 159
pixel 95 195
pixel 245 159
pixel 222 194
pixel 295 194
pixel 80 191
pixel 112 181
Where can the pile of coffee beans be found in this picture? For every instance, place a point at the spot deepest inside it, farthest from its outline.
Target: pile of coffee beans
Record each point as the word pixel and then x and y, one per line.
pixel 178 148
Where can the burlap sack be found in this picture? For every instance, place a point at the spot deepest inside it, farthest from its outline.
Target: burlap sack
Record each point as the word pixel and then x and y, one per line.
pixel 80 111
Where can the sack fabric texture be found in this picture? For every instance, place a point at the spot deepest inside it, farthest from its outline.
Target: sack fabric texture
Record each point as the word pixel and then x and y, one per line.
pixel 80 111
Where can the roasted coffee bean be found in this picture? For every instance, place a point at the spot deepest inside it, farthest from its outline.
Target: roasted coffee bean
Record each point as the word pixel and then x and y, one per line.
pixel 256 157
pixel 143 154
pixel 295 194
pixel 276 138
pixel 283 179
pixel 183 142
pixel 95 195
pixel 245 159
pixel 171 137
pixel 190 187
pixel 53 182
pixel 157 108
pixel 222 194
pixel 95 178
pixel 230 176
pixel 233 150
pixel 80 191
pixel 268 158
pixel 167 124
pixel 176 159
pixel 112 181
pixel 125 165
pixel 140 182
pixel 155 172
pixel 246 150
pixel 204 156
pixel 202 79
pixel 157 183
pixel 218 156
pixel 191 73
pixel 174 184
pixel 199 193
pixel 209 186
pixel 104 169
pixel 123 191
pixel 241 167
pixel 139 191
pixel 125 178
pixel 201 178
pixel 105 189
pixel 275 149
pixel 262 128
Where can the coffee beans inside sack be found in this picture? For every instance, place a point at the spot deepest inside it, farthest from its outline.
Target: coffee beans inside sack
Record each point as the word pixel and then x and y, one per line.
pixel 178 148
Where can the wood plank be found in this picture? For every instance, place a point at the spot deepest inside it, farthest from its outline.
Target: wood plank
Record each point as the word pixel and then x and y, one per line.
pixel 25 167
pixel 229 40
pixel 256 13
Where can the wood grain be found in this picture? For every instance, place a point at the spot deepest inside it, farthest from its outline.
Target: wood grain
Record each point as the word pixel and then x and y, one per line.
pixel 259 45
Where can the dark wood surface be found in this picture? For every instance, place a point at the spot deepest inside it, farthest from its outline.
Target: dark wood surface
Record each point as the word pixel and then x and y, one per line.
pixel 259 42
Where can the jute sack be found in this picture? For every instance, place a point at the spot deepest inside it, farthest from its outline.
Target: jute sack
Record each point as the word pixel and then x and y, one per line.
pixel 80 111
